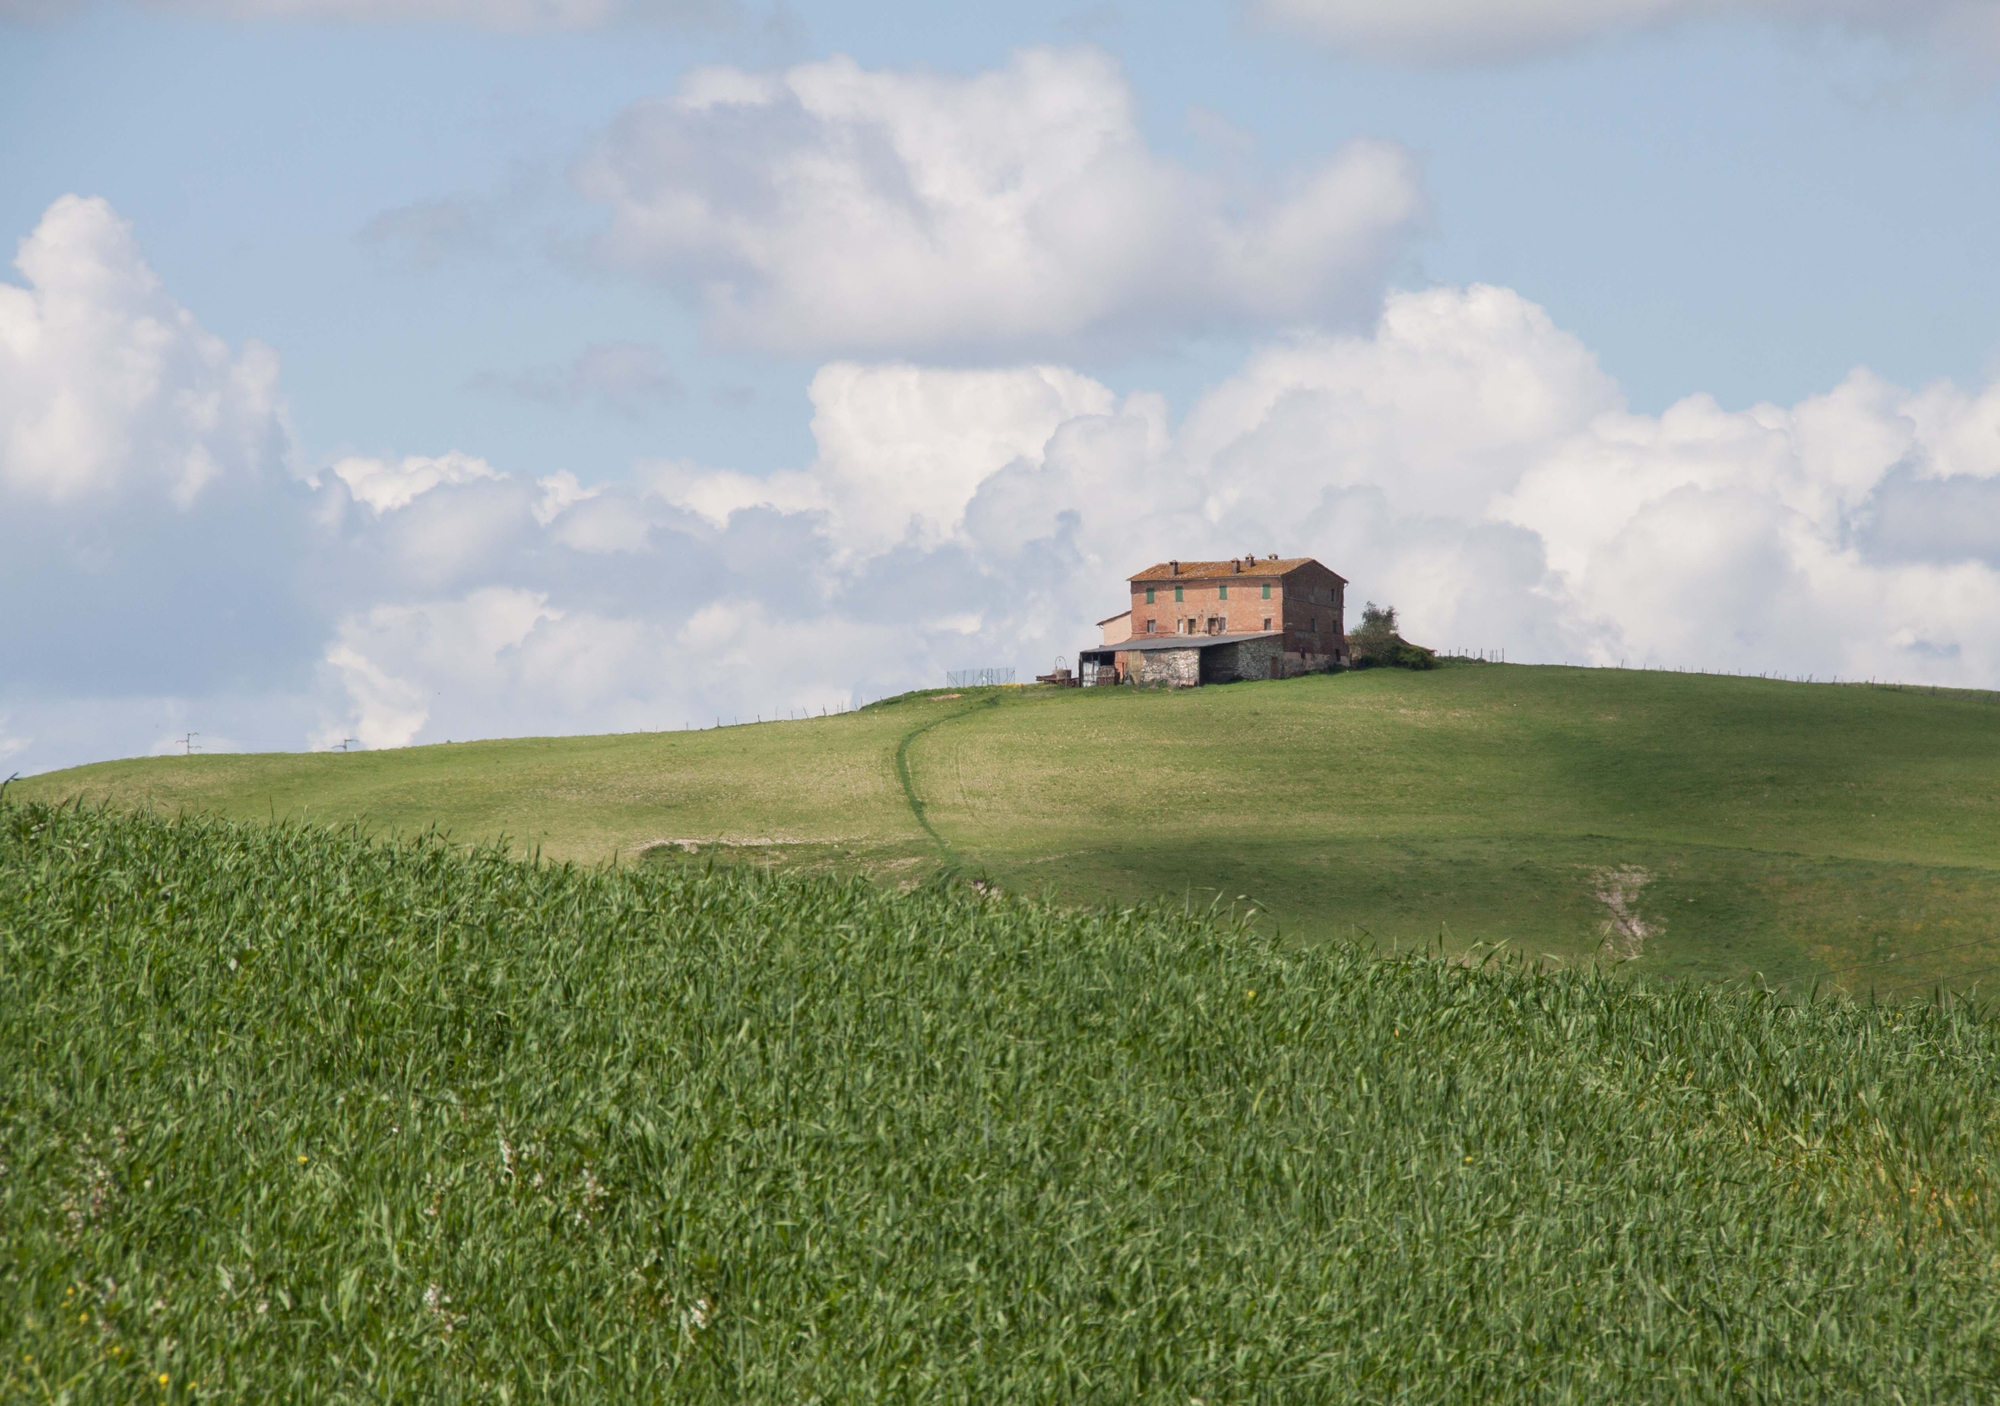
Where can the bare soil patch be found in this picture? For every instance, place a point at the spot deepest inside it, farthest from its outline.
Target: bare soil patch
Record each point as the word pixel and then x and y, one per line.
pixel 1625 932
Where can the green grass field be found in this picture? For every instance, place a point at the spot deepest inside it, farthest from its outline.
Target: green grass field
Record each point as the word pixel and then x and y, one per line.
pixel 287 1115
pixel 1729 828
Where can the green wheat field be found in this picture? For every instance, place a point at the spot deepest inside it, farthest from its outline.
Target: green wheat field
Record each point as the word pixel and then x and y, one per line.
pixel 292 1114
pixel 1494 1034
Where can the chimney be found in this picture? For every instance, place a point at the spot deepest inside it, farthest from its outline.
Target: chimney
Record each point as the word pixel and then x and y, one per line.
pixel 1173 568
pixel 1236 566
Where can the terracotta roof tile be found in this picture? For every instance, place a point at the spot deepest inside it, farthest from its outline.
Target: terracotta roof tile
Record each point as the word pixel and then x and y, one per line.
pixel 1241 566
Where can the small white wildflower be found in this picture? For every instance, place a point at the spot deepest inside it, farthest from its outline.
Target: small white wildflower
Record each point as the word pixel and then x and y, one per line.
pixel 593 1197
pixel 435 1300
pixel 506 1158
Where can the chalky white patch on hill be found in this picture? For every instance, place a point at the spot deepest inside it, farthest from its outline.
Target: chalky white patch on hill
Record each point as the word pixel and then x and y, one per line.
pixel 1618 889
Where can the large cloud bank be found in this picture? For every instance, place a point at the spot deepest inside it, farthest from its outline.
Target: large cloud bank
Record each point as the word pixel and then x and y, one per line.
pixel 835 209
pixel 146 509
pixel 1463 458
pixel 1487 31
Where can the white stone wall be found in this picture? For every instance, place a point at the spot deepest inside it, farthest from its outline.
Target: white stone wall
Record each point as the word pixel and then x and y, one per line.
pixel 1178 668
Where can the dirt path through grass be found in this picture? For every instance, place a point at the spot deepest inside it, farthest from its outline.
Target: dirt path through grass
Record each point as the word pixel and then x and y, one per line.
pixel 907 779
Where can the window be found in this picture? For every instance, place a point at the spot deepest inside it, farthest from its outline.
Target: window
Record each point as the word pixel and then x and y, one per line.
pixel 1267 622
pixel 1150 623
pixel 1267 590
pixel 1222 591
pixel 1315 627
pixel 1177 594
pixel 1149 595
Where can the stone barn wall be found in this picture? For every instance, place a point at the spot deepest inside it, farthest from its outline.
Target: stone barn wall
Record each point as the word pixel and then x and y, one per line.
pixel 1246 659
pixel 1290 664
pixel 1179 668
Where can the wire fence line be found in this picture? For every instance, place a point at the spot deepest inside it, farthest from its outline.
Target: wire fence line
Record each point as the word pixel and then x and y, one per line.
pixel 977 678
pixel 1498 655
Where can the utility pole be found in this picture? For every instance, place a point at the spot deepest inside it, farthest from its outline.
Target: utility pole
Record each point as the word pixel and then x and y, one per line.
pixel 187 744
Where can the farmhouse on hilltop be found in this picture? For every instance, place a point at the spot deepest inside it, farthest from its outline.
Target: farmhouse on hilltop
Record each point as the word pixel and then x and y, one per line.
pixel 1196 622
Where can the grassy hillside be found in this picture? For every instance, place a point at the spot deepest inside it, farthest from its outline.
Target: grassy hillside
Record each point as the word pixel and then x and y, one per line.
pixel 1725 827
pixel 291 1116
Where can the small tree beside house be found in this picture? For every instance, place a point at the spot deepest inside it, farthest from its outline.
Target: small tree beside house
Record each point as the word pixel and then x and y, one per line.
pixel 1376 644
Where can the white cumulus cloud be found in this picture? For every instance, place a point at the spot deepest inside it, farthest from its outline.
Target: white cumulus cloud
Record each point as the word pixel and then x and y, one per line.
pixel 385 486
pixel 109 386
pixel 1463 458
pixel 832 208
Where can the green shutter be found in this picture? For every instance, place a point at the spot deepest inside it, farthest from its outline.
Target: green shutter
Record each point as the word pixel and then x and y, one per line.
pixel 1222 591
pixel 1149 595
pixel 1177 593
pixel 1267 590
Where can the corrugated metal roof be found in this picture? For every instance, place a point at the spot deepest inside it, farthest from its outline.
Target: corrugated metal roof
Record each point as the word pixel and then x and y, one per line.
pixel 1239 567
pixel 1145 643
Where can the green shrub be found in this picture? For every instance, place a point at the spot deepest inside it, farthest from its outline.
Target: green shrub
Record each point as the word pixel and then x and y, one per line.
pixel 1375 643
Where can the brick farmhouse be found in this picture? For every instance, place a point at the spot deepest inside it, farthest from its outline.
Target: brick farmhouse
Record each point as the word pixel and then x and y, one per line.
pixel 1196 622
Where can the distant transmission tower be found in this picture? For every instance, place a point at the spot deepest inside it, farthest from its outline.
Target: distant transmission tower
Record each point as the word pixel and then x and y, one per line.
pixel 187 744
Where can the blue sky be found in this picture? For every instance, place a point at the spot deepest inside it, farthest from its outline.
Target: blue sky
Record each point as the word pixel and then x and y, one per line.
pixel 1741 201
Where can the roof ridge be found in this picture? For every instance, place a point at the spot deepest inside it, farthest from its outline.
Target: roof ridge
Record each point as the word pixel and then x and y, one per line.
pixel 1180 569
